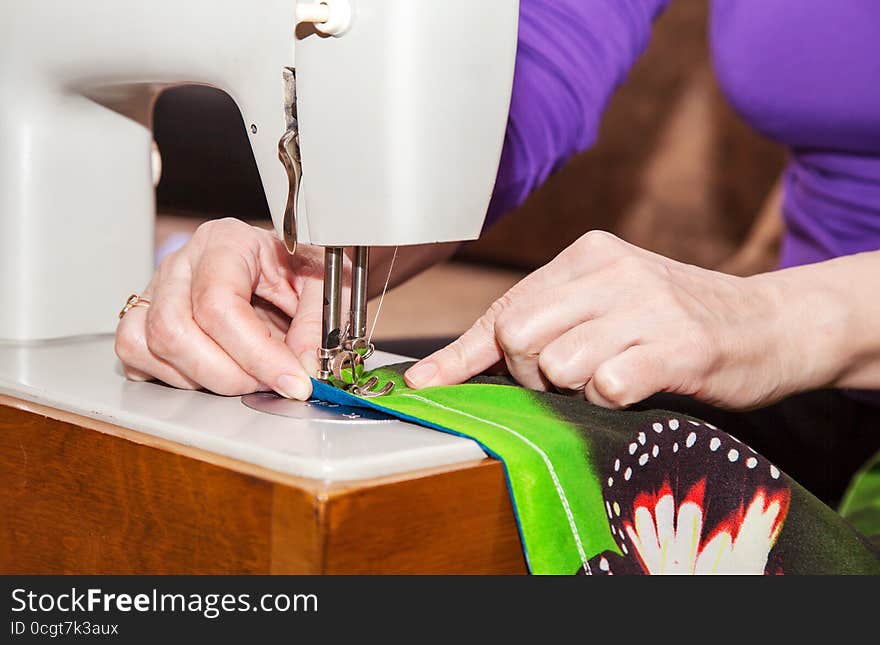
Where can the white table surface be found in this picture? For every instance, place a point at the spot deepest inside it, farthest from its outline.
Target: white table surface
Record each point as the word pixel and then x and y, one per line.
pixel 82 375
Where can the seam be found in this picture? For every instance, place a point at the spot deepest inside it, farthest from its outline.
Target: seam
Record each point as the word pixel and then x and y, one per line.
pixel 559 491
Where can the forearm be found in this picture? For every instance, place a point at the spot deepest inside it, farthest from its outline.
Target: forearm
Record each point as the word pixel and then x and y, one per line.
pixel 829 322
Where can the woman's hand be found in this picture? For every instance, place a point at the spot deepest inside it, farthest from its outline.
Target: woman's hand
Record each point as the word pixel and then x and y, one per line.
pixel 619 324
pixel 231 312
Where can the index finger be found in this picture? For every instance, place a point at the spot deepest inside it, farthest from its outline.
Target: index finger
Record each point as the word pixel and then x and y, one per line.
pixel 478 349
pixel 304 335
pixel 472 353
pixel 221 298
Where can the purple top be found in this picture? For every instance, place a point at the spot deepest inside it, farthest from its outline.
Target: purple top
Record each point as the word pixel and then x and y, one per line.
pixel 804 73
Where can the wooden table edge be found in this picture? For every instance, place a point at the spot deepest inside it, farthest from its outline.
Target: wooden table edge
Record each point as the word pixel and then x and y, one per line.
pixel 408 522
pixel 322 489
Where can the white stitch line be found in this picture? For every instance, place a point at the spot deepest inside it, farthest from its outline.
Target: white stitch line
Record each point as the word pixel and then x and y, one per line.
pixel 528 442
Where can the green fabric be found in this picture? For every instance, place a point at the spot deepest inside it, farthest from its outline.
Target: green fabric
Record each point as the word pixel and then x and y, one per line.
pixel 607 492
pixel 547 461
pixel 861 503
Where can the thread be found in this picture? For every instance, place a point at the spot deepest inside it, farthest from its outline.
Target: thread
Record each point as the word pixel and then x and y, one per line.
pixel 382 297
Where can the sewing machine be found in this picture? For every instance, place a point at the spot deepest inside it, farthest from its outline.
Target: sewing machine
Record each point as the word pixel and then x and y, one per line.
pixel 372 123
pixel 389 116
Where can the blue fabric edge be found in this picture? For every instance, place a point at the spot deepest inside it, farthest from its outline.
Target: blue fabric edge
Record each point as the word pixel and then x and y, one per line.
pixel 331 394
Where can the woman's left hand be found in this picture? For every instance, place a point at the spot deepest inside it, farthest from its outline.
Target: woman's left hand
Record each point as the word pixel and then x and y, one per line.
pixel 619 324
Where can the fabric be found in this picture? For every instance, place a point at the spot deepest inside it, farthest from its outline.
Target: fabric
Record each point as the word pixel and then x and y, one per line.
pixel 803 73
pixel 607 492
pixel 819 438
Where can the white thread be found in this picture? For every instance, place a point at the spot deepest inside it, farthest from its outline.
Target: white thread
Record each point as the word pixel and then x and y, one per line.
pixel 382 297
pixel 528 442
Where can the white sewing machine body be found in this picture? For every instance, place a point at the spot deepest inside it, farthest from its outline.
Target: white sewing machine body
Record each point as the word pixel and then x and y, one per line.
pixel 401 122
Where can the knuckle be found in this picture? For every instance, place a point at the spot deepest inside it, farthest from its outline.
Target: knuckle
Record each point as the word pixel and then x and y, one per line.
pixel 485 327
pixel 459 353
pixel 631 266
pixel 497 309
pixel 222 224
pixel 164 332
pixel 596 240
pixel 209 306
pixel 662 281
pixel 636 275
pixel 511 335
pixel 125 344
pixel 501 322
pixel 558 371
pixel 701 349
pixel 223 227
pixel 549 366
pixel 612 389
pixel 206 229
pixel 664 271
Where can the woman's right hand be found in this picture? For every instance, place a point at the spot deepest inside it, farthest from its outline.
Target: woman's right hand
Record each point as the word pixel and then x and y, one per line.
pixel 232 312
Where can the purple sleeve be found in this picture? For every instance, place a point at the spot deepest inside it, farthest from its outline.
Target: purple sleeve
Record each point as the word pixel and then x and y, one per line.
pixel 572 54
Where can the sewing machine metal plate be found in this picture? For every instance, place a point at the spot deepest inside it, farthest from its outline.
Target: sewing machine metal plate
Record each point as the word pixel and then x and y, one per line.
pixel 313 410
pixel 82 376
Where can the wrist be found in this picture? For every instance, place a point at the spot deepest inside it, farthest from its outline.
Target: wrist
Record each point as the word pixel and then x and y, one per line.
pixel 811 327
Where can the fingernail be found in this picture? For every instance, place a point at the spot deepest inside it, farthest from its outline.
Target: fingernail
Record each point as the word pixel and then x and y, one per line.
pixel 421 374
pixel 294 387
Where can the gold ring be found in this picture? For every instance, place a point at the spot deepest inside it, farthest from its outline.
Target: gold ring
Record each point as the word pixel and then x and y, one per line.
pixel 133 301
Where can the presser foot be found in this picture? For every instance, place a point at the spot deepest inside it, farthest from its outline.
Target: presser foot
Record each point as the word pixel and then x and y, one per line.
pixel 366 390
pixel 341 367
